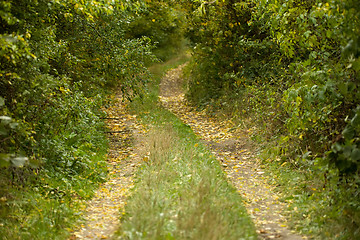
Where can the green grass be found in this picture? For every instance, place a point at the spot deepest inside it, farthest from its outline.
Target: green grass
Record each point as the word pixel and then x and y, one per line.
pixel 323 203
pixel 319 205
pixel 181 191
pixel 48 204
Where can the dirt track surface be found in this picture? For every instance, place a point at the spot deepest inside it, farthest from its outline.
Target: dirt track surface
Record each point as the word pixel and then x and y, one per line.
pixel 231 147
pixel 103 213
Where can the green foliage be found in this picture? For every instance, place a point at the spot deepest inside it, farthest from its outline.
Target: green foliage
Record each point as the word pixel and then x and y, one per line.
pixel 58 62
pixel 345 154
pixel 162 22
pixel 289 70
pixel 181 191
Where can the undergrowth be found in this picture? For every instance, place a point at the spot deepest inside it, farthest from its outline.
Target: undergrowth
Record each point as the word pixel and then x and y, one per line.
pixel 288 73
pixel 181 191
pixel 43 204
pixel 324 202
pixel 59 61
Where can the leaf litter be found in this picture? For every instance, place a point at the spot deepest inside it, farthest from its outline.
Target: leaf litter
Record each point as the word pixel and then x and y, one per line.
pixel 231 147
pixel 103 213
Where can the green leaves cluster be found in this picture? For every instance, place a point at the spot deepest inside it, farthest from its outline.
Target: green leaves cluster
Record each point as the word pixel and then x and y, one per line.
pixel 56 51
pixel 162 22
pixel 345 154
pixel 58 62
pixel 290 67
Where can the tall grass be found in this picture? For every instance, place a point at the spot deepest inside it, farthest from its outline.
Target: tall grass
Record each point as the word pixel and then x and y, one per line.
pixel 181 191
pixel 43 204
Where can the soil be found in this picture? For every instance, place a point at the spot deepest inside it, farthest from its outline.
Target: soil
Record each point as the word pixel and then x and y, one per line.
pixel 229 144
pixel 103 213
pixel 232 148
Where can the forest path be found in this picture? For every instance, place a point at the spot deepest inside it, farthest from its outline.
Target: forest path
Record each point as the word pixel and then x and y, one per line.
pixel 103 213
pixel 232 149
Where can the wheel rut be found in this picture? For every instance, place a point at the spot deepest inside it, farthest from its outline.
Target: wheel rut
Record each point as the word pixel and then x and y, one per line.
pixel 102 214
pixel 233 150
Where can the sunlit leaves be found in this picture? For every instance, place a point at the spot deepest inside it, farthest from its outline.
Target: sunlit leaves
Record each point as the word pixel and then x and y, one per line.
pixel 291 70
pixel 59 59
pixel 346 154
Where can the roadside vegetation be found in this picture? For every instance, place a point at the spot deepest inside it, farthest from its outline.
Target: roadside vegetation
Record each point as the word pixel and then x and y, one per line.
pixel 288 72
pixel 181 191
pixel 59 61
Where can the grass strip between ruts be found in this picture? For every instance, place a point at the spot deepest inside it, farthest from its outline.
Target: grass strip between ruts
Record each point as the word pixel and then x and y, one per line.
pixel 181 191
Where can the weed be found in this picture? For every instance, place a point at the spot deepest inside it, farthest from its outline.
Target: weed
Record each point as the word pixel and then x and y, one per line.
pixel 181 191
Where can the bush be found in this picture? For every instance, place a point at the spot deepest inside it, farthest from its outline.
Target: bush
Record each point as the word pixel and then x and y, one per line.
pixel 59 61
pixel 291 68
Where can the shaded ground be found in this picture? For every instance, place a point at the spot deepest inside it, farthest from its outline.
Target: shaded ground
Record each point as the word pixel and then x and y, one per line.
pixel 102 213
pixel 228 144
pixel 231 148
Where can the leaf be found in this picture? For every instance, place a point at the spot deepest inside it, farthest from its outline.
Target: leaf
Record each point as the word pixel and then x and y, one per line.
pixel 355 155
pixel 355 121
pixel 306 155
pixel 3 130
pixel 336 147
pixel 348 132
pixel 347 150
pixel 4 160
pixel 6 119
pixel 19 161
pixel 343 87
pixel 13 125
pixel 356 64
pixel 329 33
pixel 307 33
